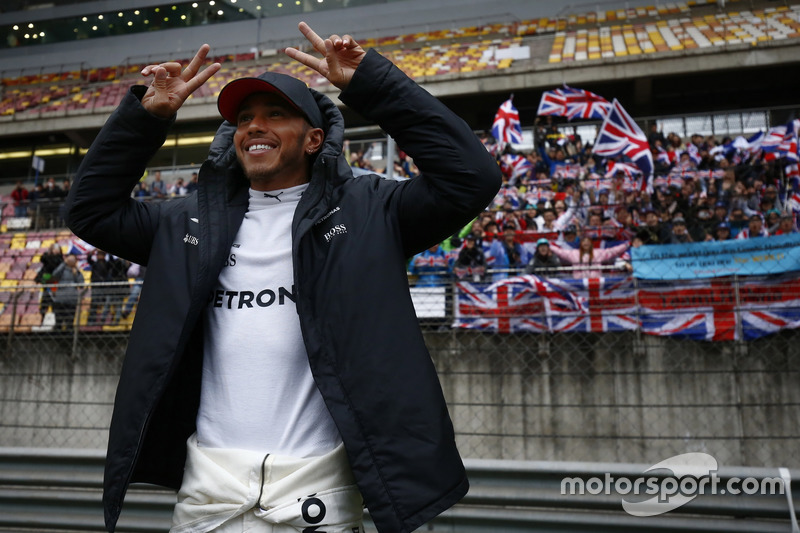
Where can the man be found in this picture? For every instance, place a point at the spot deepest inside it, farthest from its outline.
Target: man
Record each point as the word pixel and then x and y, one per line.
pixel 275 335
pixel 158 188
pixel 680 235
pixel 543 262
pixel 514 253
pixel 755 228
pixel 20 197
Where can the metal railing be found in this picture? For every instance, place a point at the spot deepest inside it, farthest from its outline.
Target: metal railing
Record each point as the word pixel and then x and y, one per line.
pixel 60 490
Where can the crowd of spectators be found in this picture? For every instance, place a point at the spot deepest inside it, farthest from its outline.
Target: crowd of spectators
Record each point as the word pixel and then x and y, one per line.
pixel 564 211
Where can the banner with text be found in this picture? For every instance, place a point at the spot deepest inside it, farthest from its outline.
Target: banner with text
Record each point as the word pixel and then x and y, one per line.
pixel 741 257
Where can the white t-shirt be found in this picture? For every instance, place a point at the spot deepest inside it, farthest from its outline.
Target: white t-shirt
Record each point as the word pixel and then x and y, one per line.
pixel 257 389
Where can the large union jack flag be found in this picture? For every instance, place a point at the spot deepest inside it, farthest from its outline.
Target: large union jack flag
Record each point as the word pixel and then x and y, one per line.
pixel 532 303
pixel 619 134
pixel 719 309
pixel 506 127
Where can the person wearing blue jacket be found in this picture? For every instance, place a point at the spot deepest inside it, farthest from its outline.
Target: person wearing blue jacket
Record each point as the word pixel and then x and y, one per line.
pixel 276 372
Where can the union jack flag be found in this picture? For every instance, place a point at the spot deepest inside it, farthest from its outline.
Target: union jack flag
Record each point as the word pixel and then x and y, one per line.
pixel 771 141
pixel 712 310
pixel 629 170
pixel 81 249
pixel 581 103
pixel 552 103
pixel 506 127
pixel 788 146
pixel 573 103
pixel 694 153
pixel 619 134
pixel 515 166
pixel 707 310
pixel 668 158
pixel 532 303
pixel 568 171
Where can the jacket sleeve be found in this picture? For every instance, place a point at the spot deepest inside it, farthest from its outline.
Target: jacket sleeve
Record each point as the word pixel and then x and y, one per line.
pixel 606 254
pixel 99 208
pixel 458 176
pixel 571 256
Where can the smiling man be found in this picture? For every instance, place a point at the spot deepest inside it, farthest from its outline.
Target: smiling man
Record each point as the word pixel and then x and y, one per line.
pixel 276 373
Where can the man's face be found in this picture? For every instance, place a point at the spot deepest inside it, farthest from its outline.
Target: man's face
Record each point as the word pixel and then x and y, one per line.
pixel 273 142
pixel 651 219
pixel 755 225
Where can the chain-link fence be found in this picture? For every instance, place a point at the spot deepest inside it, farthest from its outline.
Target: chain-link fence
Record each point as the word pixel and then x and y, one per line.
pixel 523 381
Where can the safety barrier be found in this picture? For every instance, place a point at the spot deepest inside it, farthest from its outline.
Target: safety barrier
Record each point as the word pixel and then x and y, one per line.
pixel 60 490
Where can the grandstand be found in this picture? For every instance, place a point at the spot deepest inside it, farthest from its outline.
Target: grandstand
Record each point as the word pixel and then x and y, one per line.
pixel 583 374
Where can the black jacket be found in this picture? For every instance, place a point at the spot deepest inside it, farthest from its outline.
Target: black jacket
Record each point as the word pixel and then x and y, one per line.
pixel 351 240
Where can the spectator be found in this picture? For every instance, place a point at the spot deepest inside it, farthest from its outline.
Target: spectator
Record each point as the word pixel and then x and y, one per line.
pixel 786 225
pixel 430 267
pixel 722 232
pixel 773 219
pixel 141 192
pixel 177 189
pixel 569 237
pixel 50 260
pixel 529 217
pixel 158 188
pixel 586 259
pixel 105 270
pixel 192 185
pixel 720 213
pixel 680 234
pixel 471 262
pixel 755 228
pixel 702 224
pixel 20 197
pixel 66 297
pixel 514 256
pixel 137 272
pixel 737 221
pixel 543 262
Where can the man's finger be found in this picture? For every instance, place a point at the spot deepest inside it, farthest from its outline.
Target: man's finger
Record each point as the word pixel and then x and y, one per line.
pixel 196 62
pixel 304 58
pixel 194 83
pixel 315 40
pixel 173 68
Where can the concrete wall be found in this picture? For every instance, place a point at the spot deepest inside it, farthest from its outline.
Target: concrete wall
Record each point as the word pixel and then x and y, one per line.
pixel 573 397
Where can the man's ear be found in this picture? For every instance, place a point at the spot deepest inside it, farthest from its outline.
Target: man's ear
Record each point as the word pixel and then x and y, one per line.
pixel 314 139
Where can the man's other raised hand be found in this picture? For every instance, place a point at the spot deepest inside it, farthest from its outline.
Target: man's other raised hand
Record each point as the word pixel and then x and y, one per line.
pixel 341 56
pixel 171 87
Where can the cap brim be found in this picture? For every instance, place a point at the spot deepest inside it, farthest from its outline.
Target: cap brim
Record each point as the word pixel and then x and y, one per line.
pixel 234 93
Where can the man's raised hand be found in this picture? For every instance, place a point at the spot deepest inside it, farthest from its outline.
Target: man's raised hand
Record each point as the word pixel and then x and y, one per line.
pixel 171 87
pixel 341 56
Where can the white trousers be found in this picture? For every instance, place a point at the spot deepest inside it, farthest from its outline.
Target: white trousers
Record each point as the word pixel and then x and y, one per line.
pixel 229 491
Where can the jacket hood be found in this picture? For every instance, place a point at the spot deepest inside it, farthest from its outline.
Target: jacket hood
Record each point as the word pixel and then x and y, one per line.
pixel 222 153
